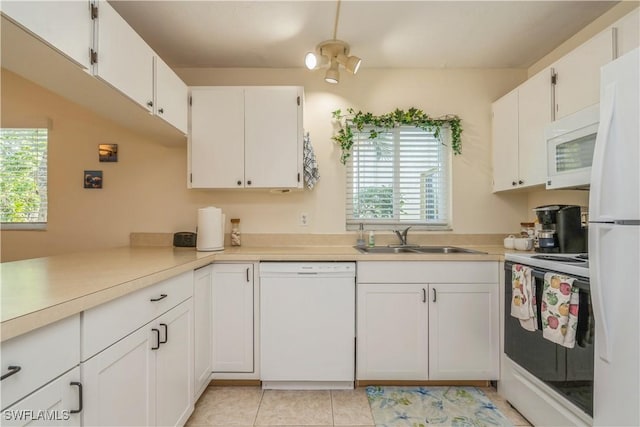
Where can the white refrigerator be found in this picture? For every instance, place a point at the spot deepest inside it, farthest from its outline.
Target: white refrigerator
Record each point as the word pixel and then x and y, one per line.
pixel 614 246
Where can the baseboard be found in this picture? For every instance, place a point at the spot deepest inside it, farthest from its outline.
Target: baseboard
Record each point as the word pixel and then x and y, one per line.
pixel 235 383
pixel 471 383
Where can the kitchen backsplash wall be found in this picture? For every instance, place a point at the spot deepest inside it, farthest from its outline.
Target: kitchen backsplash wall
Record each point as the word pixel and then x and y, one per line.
pixel 145 191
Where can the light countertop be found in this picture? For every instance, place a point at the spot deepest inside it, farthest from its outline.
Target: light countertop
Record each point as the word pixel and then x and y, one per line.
pixel 36 292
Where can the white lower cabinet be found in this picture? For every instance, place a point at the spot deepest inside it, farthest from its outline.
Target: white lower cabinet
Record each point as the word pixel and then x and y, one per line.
pixel 56 404
pixel 428 320
pixel 145 379
pixel 464 341
pixel 233 318
pixel 120 383
pixel 392 336
pixel 202 336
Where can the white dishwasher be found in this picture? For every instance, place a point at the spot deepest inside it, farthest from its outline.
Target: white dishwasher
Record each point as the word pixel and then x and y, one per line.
pixel 307 325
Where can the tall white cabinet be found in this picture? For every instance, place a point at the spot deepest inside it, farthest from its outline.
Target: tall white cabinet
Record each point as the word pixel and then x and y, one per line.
pixel 246 137
pixel 233 318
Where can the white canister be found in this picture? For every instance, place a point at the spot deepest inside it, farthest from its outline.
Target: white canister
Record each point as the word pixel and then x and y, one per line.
pixel 509 241
pixel 210 229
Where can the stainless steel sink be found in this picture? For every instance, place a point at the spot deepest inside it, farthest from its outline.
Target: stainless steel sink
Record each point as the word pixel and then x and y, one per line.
pixel 416 250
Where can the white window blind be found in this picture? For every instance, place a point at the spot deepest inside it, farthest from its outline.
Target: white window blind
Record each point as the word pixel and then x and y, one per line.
pixel 400 178
pixel 23 175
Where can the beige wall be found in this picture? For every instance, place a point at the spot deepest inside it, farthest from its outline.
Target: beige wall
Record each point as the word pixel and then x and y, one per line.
pixel 146 189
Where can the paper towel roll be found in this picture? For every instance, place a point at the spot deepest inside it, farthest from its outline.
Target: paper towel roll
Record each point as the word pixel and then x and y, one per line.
pixel 210 229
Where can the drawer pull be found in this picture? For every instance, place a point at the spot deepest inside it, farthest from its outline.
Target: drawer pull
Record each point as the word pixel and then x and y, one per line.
pixel 424 295
pixel 435 295
pixel 166 333
pixel 79 385
pixel 12 371
pixel 161 297
pixel 157 332
pixel 248 275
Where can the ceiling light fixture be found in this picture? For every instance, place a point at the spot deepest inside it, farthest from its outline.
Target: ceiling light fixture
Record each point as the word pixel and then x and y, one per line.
pixel 333 52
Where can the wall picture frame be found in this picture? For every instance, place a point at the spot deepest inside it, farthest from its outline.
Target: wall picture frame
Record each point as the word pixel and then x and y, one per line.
pixel 108 152
pixel 93 179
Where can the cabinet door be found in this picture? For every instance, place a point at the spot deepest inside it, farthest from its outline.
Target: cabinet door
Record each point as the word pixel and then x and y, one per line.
pixel 202 329
pixel 628 32
pixel 49 406
pixel 172 96
pixel 392 341
pixel 125 61
pixel 174 366
pixel 232 318
pixel 578 84
pixel 65 25
pixel 273 137
pixel 216 143
pixel 505 142
pixel 534 113
pixel 464 339
pixel 119 383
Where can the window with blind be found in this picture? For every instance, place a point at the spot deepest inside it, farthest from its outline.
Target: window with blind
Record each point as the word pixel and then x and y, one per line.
pixel 400 178
pixel 23 177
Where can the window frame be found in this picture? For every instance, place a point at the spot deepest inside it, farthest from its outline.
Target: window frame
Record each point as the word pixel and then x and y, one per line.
pixel 444 139
pixel 33 225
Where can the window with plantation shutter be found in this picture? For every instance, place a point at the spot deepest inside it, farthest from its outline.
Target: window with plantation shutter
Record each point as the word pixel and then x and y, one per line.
pixel 23 177
pixel 400 178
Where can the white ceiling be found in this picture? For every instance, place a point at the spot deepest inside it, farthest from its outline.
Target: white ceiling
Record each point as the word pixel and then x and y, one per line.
pixel 385 34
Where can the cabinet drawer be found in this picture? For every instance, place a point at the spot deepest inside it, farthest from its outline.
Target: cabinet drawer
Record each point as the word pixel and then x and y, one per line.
pixel 428 272
pixel 42 355
pixel 107 323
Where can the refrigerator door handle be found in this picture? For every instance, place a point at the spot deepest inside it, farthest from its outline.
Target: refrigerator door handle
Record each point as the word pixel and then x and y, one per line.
pixel 603 338
pixel 607 104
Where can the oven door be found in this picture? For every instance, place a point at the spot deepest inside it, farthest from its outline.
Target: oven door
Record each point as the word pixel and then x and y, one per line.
pixel 568 371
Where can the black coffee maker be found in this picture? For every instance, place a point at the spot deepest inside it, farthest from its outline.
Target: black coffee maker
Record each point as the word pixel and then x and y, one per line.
pixel 562 230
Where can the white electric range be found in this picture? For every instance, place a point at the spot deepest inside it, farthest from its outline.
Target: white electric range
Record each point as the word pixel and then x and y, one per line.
pixel 569 264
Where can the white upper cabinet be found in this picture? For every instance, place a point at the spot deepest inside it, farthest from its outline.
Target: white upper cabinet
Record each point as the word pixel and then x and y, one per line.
pixel 124 60
pixel 216 137
pixel 534 114
pixel 578 74
pixel 171 96
pixel 519 145
pixel 628 32
pixel 246 137
pixel 64 25
pixel 273 137
pixel 505 142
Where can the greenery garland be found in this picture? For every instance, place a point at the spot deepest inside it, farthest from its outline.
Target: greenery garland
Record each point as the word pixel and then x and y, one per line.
pixel 413 116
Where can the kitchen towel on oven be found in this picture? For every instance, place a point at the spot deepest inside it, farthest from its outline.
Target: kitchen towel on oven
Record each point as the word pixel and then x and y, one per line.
pixel 523 302
pixel 559 309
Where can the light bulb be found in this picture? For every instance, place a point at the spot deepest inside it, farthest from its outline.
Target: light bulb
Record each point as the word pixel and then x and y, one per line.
pixel 310 60
pixel 333 75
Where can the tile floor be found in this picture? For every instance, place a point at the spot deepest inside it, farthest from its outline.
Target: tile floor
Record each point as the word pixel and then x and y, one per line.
pixel 251 406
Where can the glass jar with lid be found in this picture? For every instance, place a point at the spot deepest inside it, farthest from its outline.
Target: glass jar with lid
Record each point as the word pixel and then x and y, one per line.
pixel 235 232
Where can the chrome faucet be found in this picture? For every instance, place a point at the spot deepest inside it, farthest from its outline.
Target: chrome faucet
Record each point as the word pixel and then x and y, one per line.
pixel 402 235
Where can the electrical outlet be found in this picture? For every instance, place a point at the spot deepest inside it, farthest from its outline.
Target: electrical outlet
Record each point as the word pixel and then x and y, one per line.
pixel 304 219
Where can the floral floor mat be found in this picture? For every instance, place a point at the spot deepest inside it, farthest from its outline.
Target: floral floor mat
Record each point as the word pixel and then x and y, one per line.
pixel 433 406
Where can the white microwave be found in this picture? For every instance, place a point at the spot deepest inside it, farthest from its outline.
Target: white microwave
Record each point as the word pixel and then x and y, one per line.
pixel 570 144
